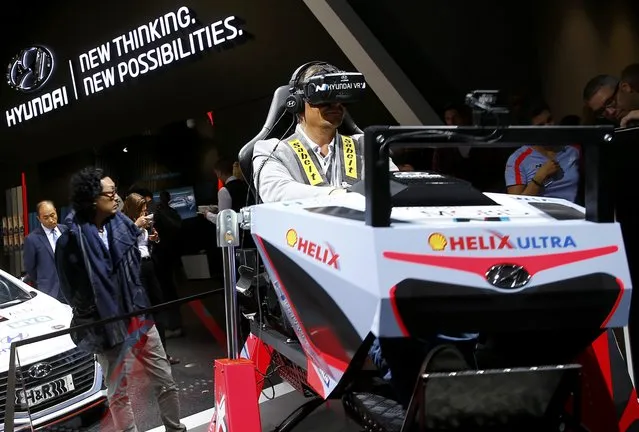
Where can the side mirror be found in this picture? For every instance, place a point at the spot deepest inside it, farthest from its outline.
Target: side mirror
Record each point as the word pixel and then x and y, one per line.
pixel 33 294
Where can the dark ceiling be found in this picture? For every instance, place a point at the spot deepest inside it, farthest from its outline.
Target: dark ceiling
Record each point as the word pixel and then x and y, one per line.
pixel 13 28
pixel 450 48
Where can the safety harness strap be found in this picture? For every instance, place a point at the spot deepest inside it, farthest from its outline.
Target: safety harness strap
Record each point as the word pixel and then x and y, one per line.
pixel 347 152
pixel 308 164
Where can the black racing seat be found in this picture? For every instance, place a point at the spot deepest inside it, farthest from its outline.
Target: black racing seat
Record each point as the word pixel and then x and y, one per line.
pixel 279 123
pixel 273 129
pixel 276 110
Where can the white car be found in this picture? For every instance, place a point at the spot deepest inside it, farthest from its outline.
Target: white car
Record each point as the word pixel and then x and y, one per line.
pixel 60 380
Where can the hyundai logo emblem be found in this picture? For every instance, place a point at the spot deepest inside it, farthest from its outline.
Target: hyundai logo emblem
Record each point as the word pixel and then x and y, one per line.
pixel 290 103
pixel 30 69
pixel 507 276
pixel 40 370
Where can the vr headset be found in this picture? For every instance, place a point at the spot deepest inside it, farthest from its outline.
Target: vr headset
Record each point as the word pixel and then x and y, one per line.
pixel 334 86
pixel 344 87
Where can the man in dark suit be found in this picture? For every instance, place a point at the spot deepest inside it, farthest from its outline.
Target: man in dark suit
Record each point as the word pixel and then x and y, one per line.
pixel 39 250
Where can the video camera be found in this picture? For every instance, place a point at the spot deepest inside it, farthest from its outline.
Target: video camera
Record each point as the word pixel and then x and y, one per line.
pixel 489 108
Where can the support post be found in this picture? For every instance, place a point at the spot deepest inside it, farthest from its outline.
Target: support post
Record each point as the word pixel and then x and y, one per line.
pixel 25 208
pixel 236 404
pixel 228 238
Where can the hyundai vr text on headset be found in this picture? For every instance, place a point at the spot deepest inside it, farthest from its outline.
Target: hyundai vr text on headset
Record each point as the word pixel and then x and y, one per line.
pixel 330 85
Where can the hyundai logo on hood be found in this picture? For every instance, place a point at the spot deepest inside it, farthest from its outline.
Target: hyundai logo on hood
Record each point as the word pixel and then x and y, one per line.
pixel 40 370
pixel 30 69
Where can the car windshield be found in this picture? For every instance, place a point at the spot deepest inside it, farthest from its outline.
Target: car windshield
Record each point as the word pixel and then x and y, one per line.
pixel 11 294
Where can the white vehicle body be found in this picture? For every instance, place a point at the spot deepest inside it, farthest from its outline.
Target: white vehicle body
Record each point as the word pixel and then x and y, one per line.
pixel 61 381
pixel 326 263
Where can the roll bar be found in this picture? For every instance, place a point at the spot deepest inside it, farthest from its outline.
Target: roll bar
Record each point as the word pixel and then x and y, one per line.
pixel 595 141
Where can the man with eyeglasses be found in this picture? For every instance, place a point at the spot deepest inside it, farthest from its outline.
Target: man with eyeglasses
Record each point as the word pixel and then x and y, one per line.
pixel 628 96
pixel 98 260
pixel 600 95
pixel 39 250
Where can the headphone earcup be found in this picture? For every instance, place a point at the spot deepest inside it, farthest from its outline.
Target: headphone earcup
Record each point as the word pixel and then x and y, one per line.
pixel 294 104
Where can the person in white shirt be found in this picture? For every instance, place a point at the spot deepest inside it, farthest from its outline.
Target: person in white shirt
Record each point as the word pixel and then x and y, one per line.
pixel 135 207
pixel 315 160
pixel 234 195
pixel 39 251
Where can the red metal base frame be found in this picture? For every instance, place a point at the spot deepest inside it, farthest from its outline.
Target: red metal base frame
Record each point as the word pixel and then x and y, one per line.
pixel 609 402
pixel 235 411
pixel 261 355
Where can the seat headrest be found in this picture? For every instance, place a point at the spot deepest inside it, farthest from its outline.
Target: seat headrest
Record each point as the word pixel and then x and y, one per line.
pixel 277 112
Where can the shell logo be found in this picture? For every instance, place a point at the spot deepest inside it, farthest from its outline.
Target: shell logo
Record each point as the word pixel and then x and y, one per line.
pixel 291 237
pixel 437 241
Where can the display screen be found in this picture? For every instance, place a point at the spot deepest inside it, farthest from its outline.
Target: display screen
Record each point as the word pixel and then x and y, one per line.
pixel 182 201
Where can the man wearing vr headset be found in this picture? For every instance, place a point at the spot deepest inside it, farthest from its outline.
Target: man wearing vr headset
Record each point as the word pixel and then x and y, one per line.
pixel 315 160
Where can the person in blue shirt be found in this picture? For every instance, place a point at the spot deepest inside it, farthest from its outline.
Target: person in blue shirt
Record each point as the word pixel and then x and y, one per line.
pixel 544 170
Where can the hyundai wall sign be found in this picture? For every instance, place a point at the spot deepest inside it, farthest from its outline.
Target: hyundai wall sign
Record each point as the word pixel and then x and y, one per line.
pixel 30 69
pixel 151 46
